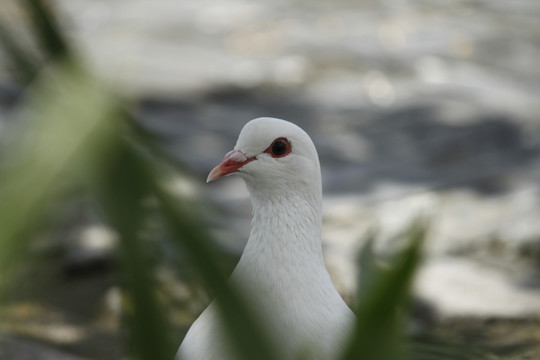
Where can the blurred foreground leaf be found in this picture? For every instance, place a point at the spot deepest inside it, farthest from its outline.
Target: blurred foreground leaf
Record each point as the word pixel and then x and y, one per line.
pixel 21 60
pixel 125 187
pixel 379 329
pixel 47 33
pixel 68 129
pixel 368 268
pixel 46 29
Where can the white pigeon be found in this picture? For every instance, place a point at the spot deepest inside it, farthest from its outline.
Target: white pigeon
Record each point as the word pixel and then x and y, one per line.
pixel 281 269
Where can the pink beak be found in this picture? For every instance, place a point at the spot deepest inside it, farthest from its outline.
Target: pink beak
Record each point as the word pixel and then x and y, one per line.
pixel 231 163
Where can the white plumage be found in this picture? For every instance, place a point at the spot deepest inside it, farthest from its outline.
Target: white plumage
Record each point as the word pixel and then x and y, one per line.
pixel 282 268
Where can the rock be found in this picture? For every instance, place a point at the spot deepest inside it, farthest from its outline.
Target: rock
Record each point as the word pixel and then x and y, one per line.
pixel 464 288
pixel 90 251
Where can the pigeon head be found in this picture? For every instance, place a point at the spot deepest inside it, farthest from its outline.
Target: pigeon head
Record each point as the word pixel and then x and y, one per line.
pixel 271 154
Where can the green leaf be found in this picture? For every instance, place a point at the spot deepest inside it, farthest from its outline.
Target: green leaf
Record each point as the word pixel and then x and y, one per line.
pixel 368 268
pixel 21 60
pixel 68 129
pixel 46 29
pixel 125 186
pixel 379 331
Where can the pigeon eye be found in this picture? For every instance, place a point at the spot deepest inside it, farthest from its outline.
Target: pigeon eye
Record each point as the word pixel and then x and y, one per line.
pixel 279 148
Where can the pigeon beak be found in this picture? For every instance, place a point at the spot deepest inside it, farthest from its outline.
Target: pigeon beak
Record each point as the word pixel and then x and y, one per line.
pixel 231 163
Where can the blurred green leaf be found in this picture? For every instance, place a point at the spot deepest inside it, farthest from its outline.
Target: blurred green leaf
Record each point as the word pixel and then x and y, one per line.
pixel 379 330
pixel 368 268
pixel 46 29
pixel 21 60
pixel 47 33
pixel 68 129
pixel 125 186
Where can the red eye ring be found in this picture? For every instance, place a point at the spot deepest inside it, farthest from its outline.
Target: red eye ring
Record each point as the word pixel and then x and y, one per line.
pixel 279 148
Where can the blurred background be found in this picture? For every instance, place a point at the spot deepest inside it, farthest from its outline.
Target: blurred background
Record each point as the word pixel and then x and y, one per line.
pixel 416 108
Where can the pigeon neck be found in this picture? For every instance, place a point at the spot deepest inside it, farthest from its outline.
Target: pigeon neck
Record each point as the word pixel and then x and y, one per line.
pixel 286 226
